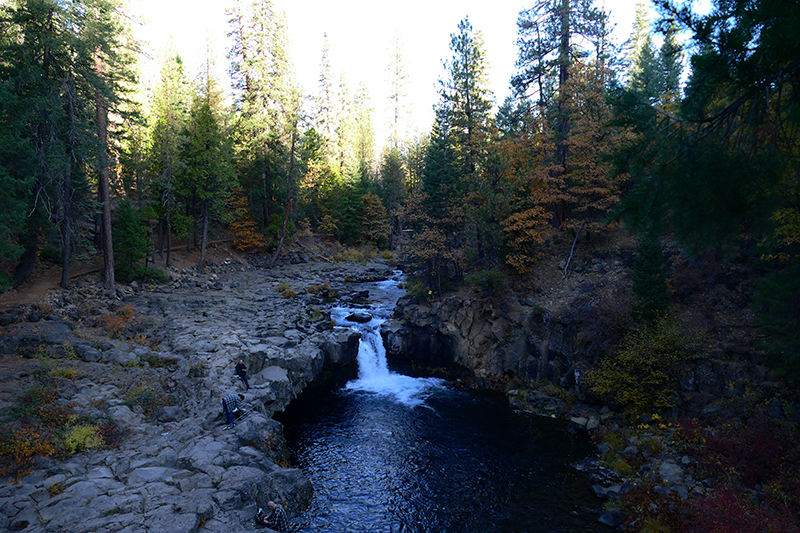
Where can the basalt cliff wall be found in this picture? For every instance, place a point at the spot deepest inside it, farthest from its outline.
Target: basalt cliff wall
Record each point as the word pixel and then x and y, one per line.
pixel 490 338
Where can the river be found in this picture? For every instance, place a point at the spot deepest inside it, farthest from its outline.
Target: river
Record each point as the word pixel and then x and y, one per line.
pixel 391 453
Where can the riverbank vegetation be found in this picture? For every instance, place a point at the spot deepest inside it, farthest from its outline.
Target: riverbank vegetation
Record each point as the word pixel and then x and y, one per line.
pixel 691 144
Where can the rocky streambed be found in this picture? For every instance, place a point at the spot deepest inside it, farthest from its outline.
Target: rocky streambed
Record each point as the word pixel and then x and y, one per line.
pixel 175 469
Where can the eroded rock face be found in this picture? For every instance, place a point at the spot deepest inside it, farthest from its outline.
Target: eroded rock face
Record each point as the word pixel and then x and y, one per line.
pixel 180 467
pixel 487 338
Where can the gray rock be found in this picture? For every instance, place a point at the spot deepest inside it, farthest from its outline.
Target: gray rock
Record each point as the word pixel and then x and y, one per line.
pixel 88 353
pixel 630 451
pixel 671 473
pixel 124 417
pixel 166 520
pixel 359 316
pixel 603 447
pixel 578 423
pixel 120 357
pixel 151 474
pixel 170 413
pixel 611 517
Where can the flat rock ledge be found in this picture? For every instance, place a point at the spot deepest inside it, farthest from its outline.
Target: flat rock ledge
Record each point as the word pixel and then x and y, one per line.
pixel 180 470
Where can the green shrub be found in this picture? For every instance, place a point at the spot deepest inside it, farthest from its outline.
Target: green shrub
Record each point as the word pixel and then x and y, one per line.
pixel 157 361
pixel 283 286
pixel 67 372
pixel 488 281
pixel 152 273
pixel 621 466
pixel 643 376
pixel 353 254
pixel 82 438
pixel 147 398
pixel 131 245
pixel 650 287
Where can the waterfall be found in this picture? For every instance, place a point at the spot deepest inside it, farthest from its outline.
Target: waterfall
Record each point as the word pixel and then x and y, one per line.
pixel 374 375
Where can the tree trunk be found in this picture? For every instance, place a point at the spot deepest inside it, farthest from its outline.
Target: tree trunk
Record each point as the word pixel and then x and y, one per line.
pixel 168 218
pixel 562 123
pixel 204 238
pixel 103 183
pixel 168 232
pixel 160 241
pixel 27 261
pixel 288 198
pixel 65 194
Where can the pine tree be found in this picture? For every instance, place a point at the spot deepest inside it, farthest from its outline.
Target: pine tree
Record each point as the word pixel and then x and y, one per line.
pixel 266 97
pixel 364 134
pixel 650 286
pixel 645 78
pixel 465 105
pixel 670 65
pixel 131 245
pixel 465 97
pixel 592 188
pixel 326 97
pixel 246 236
pixel 51 86
pixel 375 221
pixel 398 80
pixel 208 157
pixel 170 116
pixel 549 37
pixel 393 189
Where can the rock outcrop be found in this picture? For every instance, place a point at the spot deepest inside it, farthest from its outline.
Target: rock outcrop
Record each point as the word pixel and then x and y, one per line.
pixel 487 338
pixel 491 338
pixel 179 469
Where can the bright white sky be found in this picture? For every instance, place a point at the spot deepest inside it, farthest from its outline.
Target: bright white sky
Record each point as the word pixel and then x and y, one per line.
pixel 360 33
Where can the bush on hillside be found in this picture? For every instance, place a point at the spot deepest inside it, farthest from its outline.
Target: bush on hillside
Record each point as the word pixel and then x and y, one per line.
pixel 642 377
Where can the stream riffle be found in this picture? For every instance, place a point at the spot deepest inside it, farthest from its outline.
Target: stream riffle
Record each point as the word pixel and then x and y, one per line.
pixel 392 453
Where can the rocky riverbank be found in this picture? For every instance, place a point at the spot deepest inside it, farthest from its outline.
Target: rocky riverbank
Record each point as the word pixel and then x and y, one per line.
pixel 537 355
pixel 175 468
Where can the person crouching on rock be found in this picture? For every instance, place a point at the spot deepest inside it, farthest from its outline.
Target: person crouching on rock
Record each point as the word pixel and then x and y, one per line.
pixel 229 404
pixel 275 517
pixel 241 371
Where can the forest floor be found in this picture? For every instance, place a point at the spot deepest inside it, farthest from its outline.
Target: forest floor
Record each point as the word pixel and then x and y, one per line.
pixel 47 275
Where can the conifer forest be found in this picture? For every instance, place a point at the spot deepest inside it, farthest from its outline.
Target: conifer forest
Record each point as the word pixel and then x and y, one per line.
pixel 694 141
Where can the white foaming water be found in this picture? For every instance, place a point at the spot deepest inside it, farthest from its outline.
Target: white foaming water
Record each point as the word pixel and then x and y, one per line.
pixel 373 373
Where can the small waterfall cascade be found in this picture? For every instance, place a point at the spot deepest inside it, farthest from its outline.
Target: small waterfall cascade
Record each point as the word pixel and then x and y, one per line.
pixel 374 375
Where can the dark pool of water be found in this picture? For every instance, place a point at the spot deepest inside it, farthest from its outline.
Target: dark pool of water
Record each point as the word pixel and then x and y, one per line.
pixel 449 461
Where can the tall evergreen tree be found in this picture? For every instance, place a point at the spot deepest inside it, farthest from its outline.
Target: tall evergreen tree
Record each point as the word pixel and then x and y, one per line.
pixel 51 85
pixel 170 116
pixel 549 40
pixel 393 189
pixel 326 96
pixel 670 64
pixel 398 79
pixel 645 76
pixel 465 96
pixel 208 154
pixel 263 81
